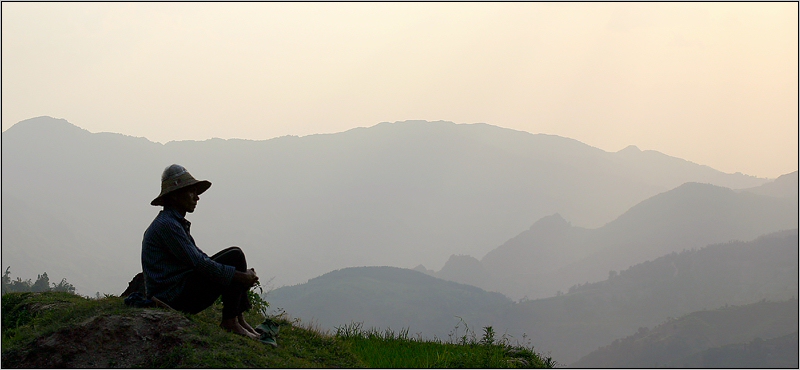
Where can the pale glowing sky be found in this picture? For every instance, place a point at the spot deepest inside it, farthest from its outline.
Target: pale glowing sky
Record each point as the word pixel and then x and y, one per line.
pixel 713 83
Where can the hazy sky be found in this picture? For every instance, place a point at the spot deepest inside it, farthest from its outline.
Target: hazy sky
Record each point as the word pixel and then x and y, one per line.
pixel 713 83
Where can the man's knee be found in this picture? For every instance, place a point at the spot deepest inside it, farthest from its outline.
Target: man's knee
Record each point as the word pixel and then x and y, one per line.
pixel 232 256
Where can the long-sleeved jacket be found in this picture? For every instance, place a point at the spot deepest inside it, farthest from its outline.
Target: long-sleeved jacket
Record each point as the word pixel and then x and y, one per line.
pixel 169 254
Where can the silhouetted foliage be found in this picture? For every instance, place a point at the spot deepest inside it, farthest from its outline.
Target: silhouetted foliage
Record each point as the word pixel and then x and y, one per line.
pixel 42 284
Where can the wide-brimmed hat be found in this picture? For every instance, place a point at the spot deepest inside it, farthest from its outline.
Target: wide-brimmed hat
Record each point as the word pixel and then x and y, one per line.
pixel 176 177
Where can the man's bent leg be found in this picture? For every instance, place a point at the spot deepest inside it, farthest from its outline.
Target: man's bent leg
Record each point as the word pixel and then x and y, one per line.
pixel 197 295
pixel 200 293
pixel 234 296
pixel 232 256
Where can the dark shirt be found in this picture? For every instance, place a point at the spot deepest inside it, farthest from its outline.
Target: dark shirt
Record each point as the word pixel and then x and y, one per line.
pixel 169 255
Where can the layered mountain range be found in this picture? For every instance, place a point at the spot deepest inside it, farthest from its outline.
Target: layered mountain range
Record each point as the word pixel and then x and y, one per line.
pixel 618 241
pixel 757 335
pixel 388 297
pixel 588 316
pixel 553 255
pixel 75 203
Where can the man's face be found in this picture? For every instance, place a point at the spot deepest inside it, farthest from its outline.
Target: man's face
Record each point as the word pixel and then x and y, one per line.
pixel 185 200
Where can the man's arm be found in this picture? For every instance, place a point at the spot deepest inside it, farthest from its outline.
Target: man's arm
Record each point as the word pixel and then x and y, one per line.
pixel 177 241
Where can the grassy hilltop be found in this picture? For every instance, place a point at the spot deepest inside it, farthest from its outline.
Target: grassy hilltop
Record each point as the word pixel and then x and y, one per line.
pixel 58 329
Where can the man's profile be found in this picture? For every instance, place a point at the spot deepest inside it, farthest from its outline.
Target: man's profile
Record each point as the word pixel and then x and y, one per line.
pixel 178 273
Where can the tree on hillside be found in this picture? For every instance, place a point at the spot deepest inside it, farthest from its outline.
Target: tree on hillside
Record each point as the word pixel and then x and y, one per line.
pixel 42 284
pixel 17 285
pixel 64 286
pixel 6 279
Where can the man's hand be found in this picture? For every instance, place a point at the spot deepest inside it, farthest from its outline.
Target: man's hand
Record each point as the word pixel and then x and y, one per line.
pixel 247 278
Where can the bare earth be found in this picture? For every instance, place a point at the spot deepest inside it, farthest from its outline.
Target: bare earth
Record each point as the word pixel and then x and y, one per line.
pixel 105 341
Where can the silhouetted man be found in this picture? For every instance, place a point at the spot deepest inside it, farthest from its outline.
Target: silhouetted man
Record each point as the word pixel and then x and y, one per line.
pixel 181 275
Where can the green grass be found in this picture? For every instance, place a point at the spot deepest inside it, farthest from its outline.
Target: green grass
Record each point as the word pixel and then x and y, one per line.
pixel 388 349
pixel 28 317
pixel 298 346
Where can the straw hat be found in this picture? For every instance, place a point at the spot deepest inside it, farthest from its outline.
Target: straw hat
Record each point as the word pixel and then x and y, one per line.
pixel 176 177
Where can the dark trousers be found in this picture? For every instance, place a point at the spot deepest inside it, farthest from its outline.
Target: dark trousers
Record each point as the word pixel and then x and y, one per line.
pixel 200 292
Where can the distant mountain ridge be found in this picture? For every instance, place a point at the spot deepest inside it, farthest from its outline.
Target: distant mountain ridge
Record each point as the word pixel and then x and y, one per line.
pixel 592 315
pixel 386 297
pixel 397 194
pixel 784 186
pixel 552 254
pixel 690 341
pixel 780 352
pixel 570 325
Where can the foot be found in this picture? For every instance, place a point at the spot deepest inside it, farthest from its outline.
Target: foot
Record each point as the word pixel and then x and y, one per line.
pixel 243 323
pixel 232 325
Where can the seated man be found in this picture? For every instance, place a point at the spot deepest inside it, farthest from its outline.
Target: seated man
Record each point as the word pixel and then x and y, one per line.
pixel 178 273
